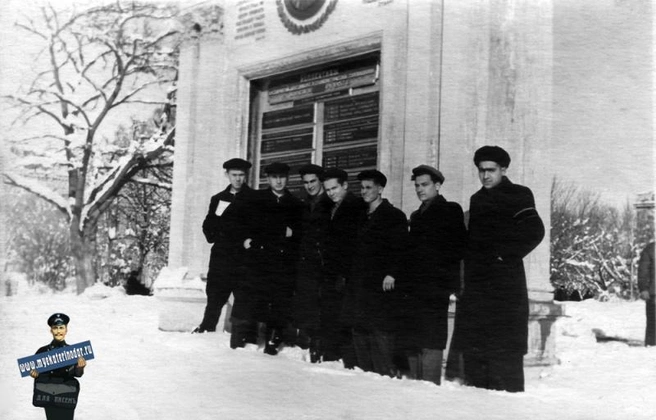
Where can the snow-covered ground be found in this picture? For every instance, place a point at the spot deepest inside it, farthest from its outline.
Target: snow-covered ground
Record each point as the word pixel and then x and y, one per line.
pixel 143 373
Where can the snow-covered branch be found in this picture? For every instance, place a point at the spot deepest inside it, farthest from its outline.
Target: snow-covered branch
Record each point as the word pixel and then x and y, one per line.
pixel 126 168
pixel 32 30
pixel 43 137
pixel 41 107
pixel 152 183
pixel 66 100
pixel 143 86
pixel 38 189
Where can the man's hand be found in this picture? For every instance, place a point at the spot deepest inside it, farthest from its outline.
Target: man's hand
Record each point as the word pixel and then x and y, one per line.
pixel 288 232
pixel 34 373
pixel 81 362
pixel 388 283
pixel 644 295
pixel 247 243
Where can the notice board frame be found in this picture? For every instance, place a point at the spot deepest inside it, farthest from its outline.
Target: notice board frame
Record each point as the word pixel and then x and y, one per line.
pixel 285 140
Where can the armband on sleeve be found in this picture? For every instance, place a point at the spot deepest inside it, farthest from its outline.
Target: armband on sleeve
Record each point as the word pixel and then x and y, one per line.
pixel 525 214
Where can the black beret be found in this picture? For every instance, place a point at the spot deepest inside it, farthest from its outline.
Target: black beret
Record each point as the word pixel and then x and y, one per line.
pixel 58 319
pixel 331 173
pixel 237 163
pixel 310 168
pixel 277 168
pixel 493 154
pixel 373 175
pixel 428 170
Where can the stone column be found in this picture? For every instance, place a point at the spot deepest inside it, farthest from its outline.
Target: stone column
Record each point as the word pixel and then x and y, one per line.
pixel 497 90
pixel 519 109
pixel 179 286
pixel 423 94
pixel 190 170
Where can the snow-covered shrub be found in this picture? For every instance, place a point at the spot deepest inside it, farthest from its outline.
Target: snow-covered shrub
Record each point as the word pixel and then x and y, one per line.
pixel 593 245
pixel 39 241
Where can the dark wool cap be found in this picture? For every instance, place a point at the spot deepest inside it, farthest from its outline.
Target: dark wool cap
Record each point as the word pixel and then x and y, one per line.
pixel 58 319
pixel 331 173
pixel 310 168
pixel 237 163
pixel 428 170
pixel 493 154
pixel 373 175
pixel 277 168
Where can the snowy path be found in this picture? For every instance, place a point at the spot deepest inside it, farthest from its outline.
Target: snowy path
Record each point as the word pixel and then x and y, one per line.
pixel 142 373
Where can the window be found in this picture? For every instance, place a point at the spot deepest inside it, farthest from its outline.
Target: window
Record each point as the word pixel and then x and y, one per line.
pixel 327 115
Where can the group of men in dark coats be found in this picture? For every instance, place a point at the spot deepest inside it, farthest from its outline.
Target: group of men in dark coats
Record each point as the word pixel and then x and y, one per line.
pixel 350 278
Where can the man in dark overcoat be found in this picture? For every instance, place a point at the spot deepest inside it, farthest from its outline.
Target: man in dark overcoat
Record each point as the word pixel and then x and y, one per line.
pixel 378 261
pixel 309 275
pixel 272 244
pixel 504 227
pixel 437 245
pixel 341 234
pixel 224 228
pixel 647 287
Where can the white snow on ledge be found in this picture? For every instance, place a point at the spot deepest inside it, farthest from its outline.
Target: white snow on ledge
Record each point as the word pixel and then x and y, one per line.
pixel 173 279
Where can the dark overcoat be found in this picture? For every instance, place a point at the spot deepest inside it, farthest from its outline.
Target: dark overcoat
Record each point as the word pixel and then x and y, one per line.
pixel 309 275
pixel 646 276
pixel 504 227
pixel 226 232
pixel 271 259
pixel 437 245
pixel 341 236
pixel 380 251
pixel 647 283
pixel 337 286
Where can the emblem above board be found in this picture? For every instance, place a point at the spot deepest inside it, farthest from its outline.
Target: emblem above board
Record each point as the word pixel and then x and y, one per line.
pixel 303 16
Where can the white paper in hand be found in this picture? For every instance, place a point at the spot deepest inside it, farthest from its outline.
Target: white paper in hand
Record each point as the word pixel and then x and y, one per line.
pixel 221 207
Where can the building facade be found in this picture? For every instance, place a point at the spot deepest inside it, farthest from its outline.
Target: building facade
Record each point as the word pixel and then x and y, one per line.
pixel 360 84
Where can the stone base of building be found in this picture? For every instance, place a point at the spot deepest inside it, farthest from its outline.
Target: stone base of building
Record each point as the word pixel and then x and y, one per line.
pixel 182 301
pixel 182 304
pixel 542 333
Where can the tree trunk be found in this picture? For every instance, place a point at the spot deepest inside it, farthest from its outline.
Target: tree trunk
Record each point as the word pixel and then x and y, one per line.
pixel 84 276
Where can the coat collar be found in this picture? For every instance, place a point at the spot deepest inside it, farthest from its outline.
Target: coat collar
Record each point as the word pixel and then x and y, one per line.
pixel 243 188
pixel 435 201
pixel 503 186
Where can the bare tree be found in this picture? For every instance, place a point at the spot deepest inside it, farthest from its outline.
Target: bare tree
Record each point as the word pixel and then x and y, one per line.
pixel 96 61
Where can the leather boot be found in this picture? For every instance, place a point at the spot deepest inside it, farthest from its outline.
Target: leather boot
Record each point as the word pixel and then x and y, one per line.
pixel 274 338
pixel 431 365
pixel 303 339
pixel 315 350
pixel 237 337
